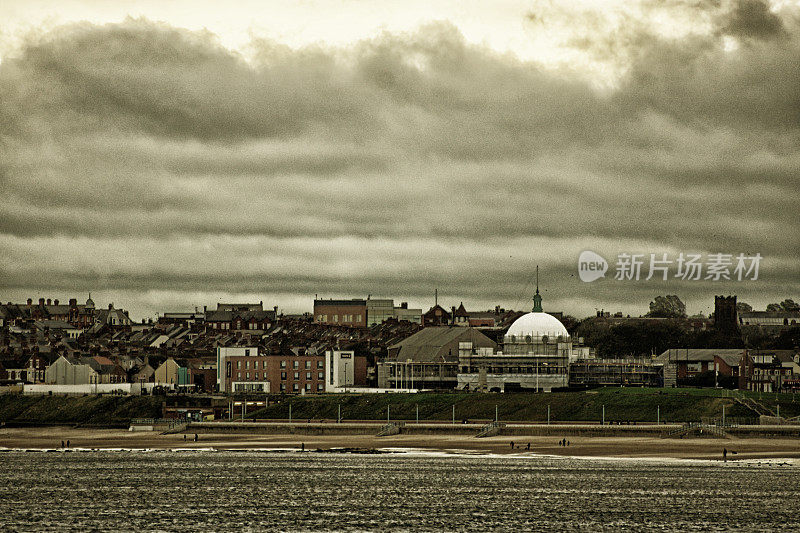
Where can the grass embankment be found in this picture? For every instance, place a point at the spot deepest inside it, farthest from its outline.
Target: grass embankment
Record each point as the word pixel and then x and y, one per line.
pixel 621 404
pixel 105 411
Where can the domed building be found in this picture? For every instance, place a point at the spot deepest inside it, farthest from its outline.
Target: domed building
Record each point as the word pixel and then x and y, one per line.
pixel 536 353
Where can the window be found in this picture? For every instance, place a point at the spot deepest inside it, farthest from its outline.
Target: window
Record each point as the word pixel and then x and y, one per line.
pixel 358 318
pixel 320 364
pixel 308 375
pixel 255 375
pixel 319 386
pixel 308 386
pixel 296 364
pixel 283 375
pixel 295 387
pixel 283 386
pixel 247 352
pixel 308 365
pixel 238 364
pixel 283 364
pixel 321 375
pixel 297 375
pixel 238 375
pixel 247 364
pixel 247 375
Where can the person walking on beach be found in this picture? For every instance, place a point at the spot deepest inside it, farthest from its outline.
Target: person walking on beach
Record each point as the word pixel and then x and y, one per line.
pixel 512 444
pixel 67 443
pixel 62 443
pixel 528 446
pixel 724 455
pixel 195 437
pixel 302 446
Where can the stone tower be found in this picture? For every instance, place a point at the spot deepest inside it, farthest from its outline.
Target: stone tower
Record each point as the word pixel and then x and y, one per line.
pixel 725 316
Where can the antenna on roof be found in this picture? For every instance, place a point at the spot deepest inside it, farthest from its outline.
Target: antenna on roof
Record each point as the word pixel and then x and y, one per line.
pixel 435 297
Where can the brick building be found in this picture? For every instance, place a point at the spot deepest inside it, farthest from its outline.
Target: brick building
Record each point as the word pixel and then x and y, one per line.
pixel 341 312
pixel 291 373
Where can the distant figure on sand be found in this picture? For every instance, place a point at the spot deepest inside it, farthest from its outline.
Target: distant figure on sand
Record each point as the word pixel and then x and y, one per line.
pixel 528 446
pixel 512 444
pixel 725 455
pixel 62 443
pixel 195 437
pixel 68 444
pixel 302 446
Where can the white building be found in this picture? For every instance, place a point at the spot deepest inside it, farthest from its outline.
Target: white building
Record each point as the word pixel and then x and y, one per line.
pixel 537 350
pixel 223 369
pixel 340 368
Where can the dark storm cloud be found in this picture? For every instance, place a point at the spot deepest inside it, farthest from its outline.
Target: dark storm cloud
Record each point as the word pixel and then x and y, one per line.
pixel 139 157
pixel 752 18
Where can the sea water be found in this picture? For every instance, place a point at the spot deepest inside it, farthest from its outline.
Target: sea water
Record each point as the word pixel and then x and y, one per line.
pixel 259 491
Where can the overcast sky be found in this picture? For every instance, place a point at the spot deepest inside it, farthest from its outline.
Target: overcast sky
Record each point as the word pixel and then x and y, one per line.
pixel 166 155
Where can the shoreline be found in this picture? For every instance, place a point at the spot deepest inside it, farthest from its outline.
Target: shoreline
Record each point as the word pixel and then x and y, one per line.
pixel 625 447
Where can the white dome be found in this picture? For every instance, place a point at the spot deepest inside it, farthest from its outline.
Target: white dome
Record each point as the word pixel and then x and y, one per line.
pixel 536 325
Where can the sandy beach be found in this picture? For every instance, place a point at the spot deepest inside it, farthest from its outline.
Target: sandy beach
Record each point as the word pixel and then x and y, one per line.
pixel 686 448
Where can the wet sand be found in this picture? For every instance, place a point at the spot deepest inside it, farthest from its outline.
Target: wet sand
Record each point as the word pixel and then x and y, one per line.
pixel 622 447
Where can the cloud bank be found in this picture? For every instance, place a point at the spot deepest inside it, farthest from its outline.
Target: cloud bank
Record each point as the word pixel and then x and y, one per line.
pixel 140 159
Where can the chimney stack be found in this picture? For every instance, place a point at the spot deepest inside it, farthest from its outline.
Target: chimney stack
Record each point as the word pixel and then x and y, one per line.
pixel 30 301
pixel 49 301
pixel 55 302
pixel 41 301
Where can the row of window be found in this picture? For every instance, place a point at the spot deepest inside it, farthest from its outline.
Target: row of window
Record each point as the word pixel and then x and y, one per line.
pixel 309 375
pixel 296 364
pixel 335 318
pixel 296 387
pixel 250 325
pixel 542 369
pixel 320 375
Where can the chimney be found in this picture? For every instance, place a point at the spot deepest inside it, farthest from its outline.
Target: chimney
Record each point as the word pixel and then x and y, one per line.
pixel 275 308
pixel 404 305
pixel 41 301
pixel 49 301
pixel 55 302
pixel 111 306
pixel 453 316
pixel 73 302
pixel 30 301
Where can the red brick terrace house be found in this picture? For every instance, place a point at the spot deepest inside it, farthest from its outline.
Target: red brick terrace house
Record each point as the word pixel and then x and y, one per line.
pixel 683 363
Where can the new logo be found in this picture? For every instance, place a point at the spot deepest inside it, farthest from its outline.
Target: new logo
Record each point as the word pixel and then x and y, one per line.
pixel 591 266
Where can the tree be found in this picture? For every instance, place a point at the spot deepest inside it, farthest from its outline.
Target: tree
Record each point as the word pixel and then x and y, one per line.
pixel 786 306
pixel 743 307
pixel 669 306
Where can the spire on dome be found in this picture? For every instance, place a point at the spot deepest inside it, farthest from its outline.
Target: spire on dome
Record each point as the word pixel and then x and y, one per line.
pixel 537 298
